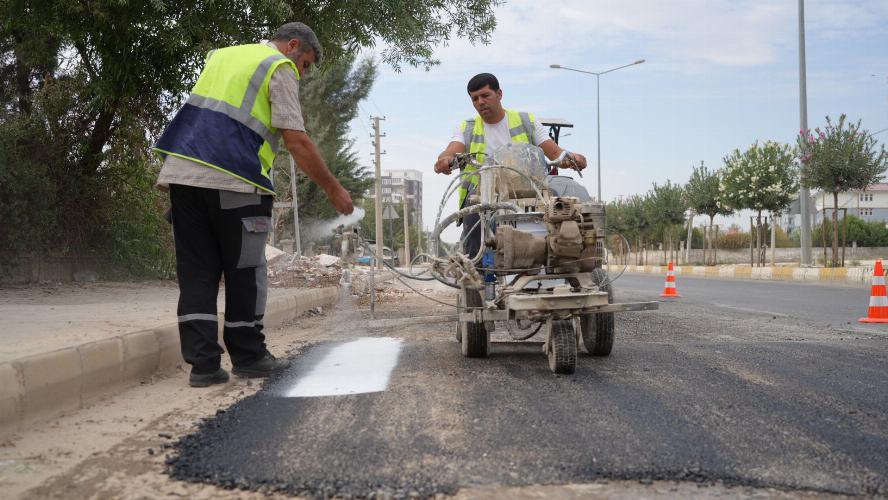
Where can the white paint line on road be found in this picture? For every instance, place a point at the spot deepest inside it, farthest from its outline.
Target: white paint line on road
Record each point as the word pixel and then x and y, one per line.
pixel 749 310
pixel 357 367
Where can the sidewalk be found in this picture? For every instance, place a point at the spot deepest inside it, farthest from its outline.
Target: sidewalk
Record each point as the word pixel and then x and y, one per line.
pixel 50 317
pixel 855 276
pixel 67 345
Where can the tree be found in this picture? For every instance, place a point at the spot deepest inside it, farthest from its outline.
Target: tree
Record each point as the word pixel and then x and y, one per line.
pixel 865 233
pixel 127 53
pixel 617 214
pixel 764 177
pixel 841 157
pixel 85 87
pixel 637 222
pixel 704 198
pixel 666 209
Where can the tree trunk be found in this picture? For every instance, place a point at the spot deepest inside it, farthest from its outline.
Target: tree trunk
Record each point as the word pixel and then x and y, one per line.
pixel 835 218
pixel 644 257
pixel 751 242
pixel 758 239
pixel 715 247
pixel 712 238
pixel 99 137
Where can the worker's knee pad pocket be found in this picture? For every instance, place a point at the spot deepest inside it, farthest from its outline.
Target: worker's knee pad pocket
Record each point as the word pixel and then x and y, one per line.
pixel 231 199
pixel 253 238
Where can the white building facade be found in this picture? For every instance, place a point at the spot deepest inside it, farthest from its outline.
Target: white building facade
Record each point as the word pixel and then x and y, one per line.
pixel 870 204
pixel 397 183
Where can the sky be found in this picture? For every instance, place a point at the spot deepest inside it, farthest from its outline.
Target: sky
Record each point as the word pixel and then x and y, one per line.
pixel 719 75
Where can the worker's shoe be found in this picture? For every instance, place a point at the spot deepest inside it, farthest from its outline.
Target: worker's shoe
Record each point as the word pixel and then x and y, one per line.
pixel 220 376
pixel 268 365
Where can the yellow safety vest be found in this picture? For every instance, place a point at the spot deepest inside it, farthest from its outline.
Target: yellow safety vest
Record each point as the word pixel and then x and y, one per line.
pixel 521 127
pixel 226 122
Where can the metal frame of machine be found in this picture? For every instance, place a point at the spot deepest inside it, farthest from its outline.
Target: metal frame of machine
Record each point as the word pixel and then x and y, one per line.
pixel 552 248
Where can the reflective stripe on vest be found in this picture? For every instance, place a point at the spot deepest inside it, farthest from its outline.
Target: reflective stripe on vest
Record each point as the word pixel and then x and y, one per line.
pixel 521 126
pixel 226 121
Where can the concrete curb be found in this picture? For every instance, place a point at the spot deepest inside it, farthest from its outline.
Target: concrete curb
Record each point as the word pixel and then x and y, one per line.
pixel 42 386
pixel 860 276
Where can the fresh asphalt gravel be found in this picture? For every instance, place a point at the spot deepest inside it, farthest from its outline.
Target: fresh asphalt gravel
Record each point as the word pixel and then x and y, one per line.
pixel 691 392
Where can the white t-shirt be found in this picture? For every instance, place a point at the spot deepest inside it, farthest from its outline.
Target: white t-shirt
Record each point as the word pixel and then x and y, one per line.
pixel 497 134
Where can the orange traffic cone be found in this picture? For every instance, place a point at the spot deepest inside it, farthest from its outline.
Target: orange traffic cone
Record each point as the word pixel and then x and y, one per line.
pixel 878 306
pixel 670 291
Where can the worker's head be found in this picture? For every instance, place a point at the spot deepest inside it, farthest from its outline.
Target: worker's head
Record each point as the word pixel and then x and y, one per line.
pixel 300 44
pixel 486 97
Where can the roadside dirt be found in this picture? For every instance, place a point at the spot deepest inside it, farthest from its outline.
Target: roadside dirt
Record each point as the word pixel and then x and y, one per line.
pixel 39 318
pixel 117 447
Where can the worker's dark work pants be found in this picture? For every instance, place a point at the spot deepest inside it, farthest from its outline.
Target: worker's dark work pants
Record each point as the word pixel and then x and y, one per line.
pixel 471 238
pixel 220 233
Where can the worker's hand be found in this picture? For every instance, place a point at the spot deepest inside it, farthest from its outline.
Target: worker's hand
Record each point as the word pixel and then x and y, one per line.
pixel 341 200
pixel 575 161
pixel 442 166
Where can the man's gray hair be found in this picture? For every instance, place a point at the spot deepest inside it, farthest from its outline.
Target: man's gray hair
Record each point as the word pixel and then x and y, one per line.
pixel 301 32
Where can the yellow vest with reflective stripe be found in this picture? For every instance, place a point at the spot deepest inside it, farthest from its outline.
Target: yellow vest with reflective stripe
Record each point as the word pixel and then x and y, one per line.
pixel 521 126
pixel 226 122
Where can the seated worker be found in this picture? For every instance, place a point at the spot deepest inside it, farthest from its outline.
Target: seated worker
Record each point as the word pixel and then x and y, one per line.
pixel 493 127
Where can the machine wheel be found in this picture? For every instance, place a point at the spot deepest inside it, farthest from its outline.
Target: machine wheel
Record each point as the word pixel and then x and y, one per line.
pixel 475 338
pixel 563 348
pixel 598 329
pixel 458 311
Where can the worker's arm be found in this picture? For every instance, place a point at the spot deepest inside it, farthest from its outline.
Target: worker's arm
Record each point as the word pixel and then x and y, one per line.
pixel 442 166
pixel 309 160
pixel 552 151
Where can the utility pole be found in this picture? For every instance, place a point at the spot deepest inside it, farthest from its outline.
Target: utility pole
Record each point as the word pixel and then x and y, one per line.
pixel 690 237
pixel 804 196
pixel 378 189
pixel 418 222
pixel 406 225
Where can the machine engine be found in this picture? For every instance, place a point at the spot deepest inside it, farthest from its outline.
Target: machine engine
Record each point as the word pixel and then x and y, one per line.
pixel 565 234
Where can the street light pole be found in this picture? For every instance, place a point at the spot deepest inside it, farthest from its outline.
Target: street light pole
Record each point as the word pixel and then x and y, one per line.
pixel 598 127
pixel 597 104
pixel 804 196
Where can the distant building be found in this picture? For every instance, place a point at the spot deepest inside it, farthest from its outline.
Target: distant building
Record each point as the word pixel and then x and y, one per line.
pixel 870 204
pixel 791 219
pixel 394 183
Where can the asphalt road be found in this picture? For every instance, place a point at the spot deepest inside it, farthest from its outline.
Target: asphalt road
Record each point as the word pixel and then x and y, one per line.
pixel 825 305
pixel 694 392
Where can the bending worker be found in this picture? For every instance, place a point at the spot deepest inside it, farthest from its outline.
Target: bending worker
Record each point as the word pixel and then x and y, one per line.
pixel 493 127
pixel 218 154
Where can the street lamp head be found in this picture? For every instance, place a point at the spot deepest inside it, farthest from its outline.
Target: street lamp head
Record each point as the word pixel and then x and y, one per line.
pixel 639 61
pixel 556 66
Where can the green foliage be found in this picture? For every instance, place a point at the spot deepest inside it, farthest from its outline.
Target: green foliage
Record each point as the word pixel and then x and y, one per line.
pixel 783 240
pixel 629 218
pixel 28 206
pixel 697 238
pixel 667 204
pixel 655 215
pixel 85 87
pixel 54 208
pixel 841 157
pixel 865 233
pixel 733 241
pixel 703 193
pixel 761 178
pixel 392 230
pixel 665 208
